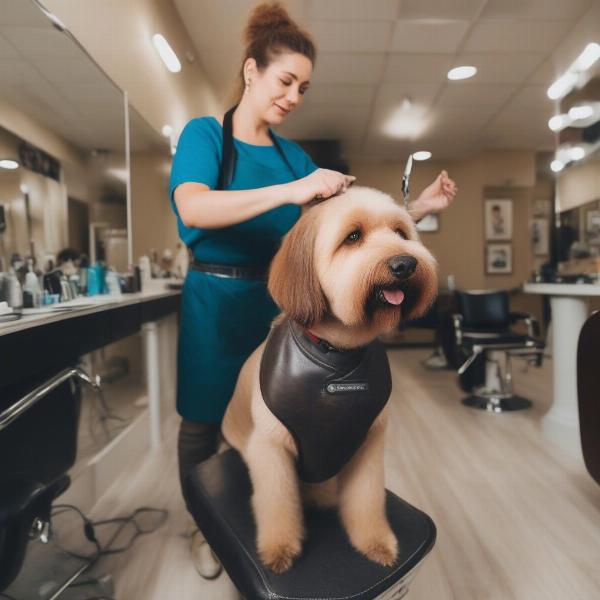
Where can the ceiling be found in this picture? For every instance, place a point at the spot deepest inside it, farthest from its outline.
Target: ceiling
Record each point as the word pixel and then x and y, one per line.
pixel 50 77
pixel 372 54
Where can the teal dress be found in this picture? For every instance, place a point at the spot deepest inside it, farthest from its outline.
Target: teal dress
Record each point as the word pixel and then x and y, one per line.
pixel 224 320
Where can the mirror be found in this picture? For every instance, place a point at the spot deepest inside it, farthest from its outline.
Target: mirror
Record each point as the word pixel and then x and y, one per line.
pixel 62 145
pixel 578 185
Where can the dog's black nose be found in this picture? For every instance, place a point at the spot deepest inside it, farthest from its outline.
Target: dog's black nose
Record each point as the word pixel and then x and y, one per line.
pixel 402 267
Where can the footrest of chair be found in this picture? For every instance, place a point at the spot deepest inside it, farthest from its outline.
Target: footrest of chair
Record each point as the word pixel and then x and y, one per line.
pixel 329 566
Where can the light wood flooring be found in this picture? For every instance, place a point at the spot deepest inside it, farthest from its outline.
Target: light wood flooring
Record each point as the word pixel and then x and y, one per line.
pixel 516 517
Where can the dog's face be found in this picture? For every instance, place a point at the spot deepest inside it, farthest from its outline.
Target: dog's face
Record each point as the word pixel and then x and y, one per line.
pixel 356 257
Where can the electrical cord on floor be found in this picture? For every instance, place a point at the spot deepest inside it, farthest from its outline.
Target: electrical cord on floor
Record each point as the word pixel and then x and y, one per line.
pixel 90 528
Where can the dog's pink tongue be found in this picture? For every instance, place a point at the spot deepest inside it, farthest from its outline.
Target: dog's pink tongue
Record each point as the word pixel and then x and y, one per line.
pixel 394 296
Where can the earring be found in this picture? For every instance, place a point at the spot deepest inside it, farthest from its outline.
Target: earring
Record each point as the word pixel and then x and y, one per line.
pixel 247 85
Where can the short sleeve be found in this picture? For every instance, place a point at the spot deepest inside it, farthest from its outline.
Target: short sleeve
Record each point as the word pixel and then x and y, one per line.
pixel 197 158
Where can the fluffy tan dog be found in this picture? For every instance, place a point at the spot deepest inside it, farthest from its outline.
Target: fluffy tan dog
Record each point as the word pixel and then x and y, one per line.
pixel 348 271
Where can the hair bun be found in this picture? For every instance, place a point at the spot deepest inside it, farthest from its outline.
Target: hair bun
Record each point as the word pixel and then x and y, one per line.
pixel 265 18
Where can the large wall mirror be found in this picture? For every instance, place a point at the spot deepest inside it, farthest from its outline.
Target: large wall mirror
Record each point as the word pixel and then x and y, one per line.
pixel 64 179
pixel 578 183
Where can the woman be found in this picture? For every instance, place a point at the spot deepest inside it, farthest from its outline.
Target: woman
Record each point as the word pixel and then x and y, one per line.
pixel 233 222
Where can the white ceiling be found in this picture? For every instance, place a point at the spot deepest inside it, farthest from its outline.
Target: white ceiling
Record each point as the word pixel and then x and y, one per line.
pixel 48 76
pixel 372 54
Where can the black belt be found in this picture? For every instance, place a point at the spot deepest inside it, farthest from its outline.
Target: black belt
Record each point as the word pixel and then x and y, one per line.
pixel 230 271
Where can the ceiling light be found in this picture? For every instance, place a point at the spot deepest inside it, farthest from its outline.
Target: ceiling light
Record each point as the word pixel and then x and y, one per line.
pixel 559 122
pixel 8 163
pixel 557 166
pixel 167 130
pixel 166 53
pixel 581 112
pixel 588 57
pixel 421 155
pixel 576 153
pixel 565 83
pixel 562 86
pixel 463 72
pixel 407 124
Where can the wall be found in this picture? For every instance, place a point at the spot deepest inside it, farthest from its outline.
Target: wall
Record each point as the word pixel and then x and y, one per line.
pixel 459 244
pixel 154 225
pixel 118 36
pixel 578 184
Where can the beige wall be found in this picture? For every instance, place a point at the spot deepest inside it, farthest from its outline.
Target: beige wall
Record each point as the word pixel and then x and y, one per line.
pixel 154 224
pixel 578 185
pixel 118 36
pixel 459 244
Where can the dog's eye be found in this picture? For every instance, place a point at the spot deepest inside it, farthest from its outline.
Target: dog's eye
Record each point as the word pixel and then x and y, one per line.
pixel 401 233
pixel 354 236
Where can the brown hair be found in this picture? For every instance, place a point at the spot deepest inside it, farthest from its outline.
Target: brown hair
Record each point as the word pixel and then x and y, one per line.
pixel 270 31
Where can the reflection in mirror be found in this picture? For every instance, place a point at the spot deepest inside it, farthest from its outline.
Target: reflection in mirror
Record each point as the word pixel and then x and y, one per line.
pixel 578 183
pixel 154 231
pixel 62 127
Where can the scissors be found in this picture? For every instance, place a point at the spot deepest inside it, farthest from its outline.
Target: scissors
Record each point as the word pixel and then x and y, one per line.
pixel 405 178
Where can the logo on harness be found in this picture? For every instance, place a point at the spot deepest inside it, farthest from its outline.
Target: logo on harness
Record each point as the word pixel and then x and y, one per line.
pixel 340 388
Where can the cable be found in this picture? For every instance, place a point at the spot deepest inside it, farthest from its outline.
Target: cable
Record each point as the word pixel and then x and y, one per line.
pixel 89 530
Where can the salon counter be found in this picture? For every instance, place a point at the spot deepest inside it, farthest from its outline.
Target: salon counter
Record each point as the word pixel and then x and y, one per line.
pixel 38 346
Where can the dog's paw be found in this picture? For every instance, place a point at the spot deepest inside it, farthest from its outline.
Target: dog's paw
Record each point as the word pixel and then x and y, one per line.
pixel 380 549
pixel 279 556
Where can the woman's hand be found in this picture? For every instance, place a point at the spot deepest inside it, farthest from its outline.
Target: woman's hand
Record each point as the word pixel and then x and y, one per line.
pixel 322 183
pixel 434 198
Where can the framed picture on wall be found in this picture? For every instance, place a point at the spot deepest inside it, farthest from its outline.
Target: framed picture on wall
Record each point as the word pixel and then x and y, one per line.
pixel 539 236
pixel 429 223
pixel 498 220
pixel 498 260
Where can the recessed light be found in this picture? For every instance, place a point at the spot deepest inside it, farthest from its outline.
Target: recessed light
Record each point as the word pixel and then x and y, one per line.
pixel 166 53
pixel 167 130
pixel 421 155
pixel 463 72
pixel 557 166
pixel 7 163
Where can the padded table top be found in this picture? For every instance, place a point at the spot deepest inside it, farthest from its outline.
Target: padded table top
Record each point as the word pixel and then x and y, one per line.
pixel 329 567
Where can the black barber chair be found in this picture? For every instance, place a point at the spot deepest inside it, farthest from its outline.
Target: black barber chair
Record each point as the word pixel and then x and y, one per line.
pixel 328 568
pixel 588 391
pixel 484 337
pixel 38 442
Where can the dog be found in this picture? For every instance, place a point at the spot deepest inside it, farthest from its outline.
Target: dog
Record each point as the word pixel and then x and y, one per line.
pixel 350 269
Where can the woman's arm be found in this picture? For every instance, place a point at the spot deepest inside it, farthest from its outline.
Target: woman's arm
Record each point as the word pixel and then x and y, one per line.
pixel 199 206
pixel 434 198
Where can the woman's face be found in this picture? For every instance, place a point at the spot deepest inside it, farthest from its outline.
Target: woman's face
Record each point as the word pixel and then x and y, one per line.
pixel 280 88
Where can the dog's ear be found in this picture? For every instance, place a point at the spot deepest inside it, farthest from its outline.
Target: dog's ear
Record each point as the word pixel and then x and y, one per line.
pixel 293 281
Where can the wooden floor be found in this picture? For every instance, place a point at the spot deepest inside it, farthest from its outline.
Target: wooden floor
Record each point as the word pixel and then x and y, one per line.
pixel 516 518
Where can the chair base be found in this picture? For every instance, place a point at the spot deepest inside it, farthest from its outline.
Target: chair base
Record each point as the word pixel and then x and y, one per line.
pixel 497 403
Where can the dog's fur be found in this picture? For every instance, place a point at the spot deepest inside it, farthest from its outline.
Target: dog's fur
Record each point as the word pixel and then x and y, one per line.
pixel 329 283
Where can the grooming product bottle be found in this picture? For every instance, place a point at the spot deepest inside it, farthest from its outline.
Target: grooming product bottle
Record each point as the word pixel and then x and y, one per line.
pixel 12 290
pixel 32 291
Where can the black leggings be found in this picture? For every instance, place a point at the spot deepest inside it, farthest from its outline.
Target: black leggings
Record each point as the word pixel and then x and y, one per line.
pixel 197 441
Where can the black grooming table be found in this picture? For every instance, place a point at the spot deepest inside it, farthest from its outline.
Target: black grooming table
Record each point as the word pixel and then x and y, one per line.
pixel 329 567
